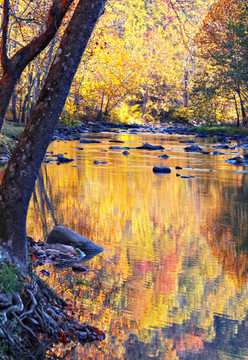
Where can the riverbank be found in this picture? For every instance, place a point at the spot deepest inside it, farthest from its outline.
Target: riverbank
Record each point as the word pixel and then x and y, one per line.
pixel 12 132
pixel 33 317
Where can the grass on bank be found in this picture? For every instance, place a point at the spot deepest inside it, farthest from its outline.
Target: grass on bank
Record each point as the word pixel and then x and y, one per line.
pixel 12 131
pixel 10 134
pixel 220 129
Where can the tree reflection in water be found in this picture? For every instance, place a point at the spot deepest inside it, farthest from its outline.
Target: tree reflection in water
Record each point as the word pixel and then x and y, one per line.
pixel 172 283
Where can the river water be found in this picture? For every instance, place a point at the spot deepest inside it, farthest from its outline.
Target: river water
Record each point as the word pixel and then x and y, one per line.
pixel 172 281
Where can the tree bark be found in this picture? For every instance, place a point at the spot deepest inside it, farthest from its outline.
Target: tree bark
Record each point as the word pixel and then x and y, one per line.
pixel 13 68
pixel 22 170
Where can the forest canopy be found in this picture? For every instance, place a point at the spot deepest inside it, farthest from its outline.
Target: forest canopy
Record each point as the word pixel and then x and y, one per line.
pixel 147 61
pixel 136 66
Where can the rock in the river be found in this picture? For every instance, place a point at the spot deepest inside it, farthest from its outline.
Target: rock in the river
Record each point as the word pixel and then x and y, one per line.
pixel 163 156
pixel 119 148
pixel 222 147
pixel 147 146
pixel 178 167
pixel 116 141
pixel 63 160
pixel 96 162
pixel 236 160
pixel 126 152
pixel 161 169
pixel 62 235
pixel 193 148
pixel 61 247
pixel 79 268
pixel 187 141
pixel 89 141
pixel 217 153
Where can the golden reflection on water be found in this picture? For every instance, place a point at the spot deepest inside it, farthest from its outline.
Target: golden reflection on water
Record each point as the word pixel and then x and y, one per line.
pixel 174 258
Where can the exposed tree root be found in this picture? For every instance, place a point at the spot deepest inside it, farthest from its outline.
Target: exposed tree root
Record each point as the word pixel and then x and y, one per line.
pixel 35 319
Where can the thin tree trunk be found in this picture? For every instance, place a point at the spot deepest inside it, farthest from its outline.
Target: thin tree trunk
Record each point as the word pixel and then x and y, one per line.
pixel 185 93
pixel 244 120
pixel 99 116
pixel 237 112
pixel 23 168
pixel 14 107
pixel 23 112
pixel 145 99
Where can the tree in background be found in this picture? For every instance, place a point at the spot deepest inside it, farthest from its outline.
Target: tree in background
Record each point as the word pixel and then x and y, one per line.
pixel 222 66
pixel 135 65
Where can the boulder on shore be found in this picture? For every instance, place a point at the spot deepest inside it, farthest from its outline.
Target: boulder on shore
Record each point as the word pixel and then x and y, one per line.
pixel 62 235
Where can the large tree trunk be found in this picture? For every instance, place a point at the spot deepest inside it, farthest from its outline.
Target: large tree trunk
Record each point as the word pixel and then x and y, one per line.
pixel 22 170
pixel 13 68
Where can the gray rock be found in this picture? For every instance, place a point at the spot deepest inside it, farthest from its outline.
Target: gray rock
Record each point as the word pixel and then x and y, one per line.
pixel 188 177
pixel 63 160
pixel 62 235
pixel 116 141
pixel 163 156
pixel 126 152
pixel 79 268
pixel 5 300
pixel 100 162
pixel 217 153
pixel 60 247
pixel 82 336
pixel 236 160
pixel 147 146
pixel 161 169
pixel 193 148
pixel 223 147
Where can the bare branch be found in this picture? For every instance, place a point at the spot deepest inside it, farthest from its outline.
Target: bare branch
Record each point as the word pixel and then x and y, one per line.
pixel 56 14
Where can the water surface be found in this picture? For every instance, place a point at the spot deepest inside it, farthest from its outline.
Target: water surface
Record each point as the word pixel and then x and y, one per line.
pixel 172 282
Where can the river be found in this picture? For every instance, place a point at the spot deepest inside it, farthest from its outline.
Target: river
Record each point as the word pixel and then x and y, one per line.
pixel 172 281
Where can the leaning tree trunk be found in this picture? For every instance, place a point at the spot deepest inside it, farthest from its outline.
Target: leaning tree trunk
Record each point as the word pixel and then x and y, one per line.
pixel 22 170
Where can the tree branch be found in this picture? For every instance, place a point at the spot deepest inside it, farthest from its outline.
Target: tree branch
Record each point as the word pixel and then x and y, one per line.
pixel 5 61
pixel 26 54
